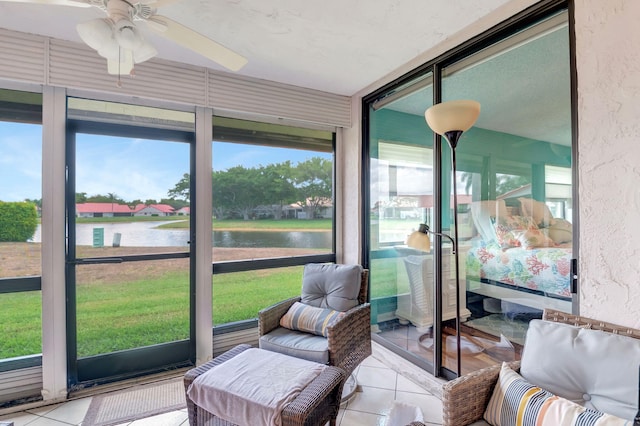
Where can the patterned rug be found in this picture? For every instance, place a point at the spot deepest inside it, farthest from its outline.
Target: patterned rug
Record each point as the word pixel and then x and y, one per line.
pixel 135 403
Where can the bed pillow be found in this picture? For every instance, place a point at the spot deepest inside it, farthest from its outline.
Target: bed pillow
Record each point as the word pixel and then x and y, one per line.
pixel 538 210
pixel 520 231
pixel 309 319
pixel 483 213
pixel 517 402
pixel 560 232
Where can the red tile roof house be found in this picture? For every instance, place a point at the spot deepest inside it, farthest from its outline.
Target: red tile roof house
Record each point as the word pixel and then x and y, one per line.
pixel 102 210
pixel 183 211
pixel 153 210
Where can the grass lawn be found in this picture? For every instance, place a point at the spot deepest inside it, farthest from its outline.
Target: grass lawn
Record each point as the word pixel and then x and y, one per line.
pixel 143 303
pixel 118 316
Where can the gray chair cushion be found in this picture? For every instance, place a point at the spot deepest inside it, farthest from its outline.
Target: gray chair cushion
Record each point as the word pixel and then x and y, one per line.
pixel 328 285
pixel 590 367
pixel 297 344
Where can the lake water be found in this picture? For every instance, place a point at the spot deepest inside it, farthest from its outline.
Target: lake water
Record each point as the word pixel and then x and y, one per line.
pixel 145 234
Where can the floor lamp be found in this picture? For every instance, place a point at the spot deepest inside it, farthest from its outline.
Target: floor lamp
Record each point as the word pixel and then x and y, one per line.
pixel 449 119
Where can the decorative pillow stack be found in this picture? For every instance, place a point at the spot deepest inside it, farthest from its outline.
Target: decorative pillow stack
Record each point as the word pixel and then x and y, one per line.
pixel 520 231
pixel 515 402
pixel 310 319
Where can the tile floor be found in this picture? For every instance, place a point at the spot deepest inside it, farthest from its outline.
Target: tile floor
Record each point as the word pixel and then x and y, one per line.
pixel 381 386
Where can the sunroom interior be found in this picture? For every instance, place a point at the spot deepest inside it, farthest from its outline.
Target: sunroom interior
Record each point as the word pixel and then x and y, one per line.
pixel 363 168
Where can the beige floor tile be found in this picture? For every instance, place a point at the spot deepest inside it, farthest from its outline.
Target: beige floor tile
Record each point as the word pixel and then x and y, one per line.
pixel 71 412
pixel 43 421
pixel 430 405
pixel 377 377
pixel 372 400
pixel 356 418
pixel 174 418
pixel 372 362
pixel 19 419
pixel 406 385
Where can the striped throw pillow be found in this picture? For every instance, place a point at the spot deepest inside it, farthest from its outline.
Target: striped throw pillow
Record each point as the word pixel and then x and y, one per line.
pixel 515 402
pixel 307 318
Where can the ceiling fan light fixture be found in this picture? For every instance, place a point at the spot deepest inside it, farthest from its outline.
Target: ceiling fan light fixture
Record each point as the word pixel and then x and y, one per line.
pixel 121 64
pixel 96 33
pixel 110 49
pixel 144 52
pixel 127 34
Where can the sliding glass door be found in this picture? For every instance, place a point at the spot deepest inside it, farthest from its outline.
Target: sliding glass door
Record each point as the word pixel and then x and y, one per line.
pixel 514 185
pixel 402 186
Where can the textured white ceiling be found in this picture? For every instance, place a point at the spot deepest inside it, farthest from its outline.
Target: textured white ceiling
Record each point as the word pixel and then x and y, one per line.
pixel 337 46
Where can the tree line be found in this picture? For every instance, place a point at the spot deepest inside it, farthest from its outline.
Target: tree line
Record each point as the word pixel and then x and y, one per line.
pixel 239 192
pixel 248 193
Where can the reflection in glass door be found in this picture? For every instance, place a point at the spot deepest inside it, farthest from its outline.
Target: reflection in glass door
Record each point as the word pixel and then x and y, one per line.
pixel 514 189
pixel 402 278
pixel 129 251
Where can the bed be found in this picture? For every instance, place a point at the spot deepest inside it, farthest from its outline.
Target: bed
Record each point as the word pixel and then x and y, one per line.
pixel 521 255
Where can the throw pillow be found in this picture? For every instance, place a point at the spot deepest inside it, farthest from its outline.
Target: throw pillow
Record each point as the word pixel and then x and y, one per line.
pixel 516 402
pixel 538 210
pixel 561 231
pixel 310 319
pixel 533 238
pixel 520 231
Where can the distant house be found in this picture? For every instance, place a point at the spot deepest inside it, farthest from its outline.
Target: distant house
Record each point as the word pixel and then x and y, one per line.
pixel 324 210
pixel 153 210
pixel 184 211
pixel 102 210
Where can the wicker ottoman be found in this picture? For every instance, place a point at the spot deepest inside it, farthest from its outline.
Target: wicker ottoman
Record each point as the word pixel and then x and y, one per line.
pixel 317 404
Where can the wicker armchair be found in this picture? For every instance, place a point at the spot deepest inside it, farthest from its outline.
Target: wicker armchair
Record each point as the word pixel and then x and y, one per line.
pixel 464 399
pixel 348 340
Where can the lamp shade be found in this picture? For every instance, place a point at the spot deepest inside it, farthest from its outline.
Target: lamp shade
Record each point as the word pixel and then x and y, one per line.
pixel 452 116
pixel 420 239
pixel 96 33
pixel 144 52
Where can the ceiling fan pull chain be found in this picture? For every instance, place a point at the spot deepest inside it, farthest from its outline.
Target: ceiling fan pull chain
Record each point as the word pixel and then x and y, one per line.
pixel 119 82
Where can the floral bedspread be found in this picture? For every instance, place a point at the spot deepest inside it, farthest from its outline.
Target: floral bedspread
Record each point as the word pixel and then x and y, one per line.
pixel 547 269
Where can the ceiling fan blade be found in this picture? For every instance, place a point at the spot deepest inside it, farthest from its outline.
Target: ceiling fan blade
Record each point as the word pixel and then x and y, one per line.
pixel 76 3
pixel 199 43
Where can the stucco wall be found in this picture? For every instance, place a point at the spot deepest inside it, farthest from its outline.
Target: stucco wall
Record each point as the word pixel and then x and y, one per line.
pixel 608 64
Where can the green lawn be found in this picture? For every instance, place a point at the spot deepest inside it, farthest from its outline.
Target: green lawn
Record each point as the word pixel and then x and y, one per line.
pixel 121 316
pixel 114 317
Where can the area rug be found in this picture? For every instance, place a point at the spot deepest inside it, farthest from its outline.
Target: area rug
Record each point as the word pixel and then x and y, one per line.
pixel 142 401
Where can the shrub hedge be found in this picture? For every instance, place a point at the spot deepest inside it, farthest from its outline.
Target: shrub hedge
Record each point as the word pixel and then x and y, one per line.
pixel 18 221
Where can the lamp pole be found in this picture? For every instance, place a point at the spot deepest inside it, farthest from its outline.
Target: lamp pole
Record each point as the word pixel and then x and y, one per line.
pixel 451 119
pixel 452 137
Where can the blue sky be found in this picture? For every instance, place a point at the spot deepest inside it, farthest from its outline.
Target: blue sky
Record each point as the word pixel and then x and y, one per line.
pixel 130 168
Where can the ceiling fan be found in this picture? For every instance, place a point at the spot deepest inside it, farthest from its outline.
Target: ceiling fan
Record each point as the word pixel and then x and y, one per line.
pixel 118 39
